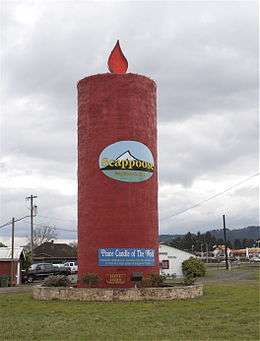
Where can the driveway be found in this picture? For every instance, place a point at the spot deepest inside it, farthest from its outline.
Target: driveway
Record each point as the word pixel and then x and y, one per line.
pixel 18 289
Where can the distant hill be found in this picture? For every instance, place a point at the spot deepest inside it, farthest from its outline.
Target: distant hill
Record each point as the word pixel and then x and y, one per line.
pixel 167 237
pixel 249 232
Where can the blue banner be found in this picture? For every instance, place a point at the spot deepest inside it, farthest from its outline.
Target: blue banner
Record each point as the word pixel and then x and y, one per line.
pixel 126 257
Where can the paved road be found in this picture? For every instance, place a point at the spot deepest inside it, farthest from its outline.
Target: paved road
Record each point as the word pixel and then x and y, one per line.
pixel 18 289
pixel 243 273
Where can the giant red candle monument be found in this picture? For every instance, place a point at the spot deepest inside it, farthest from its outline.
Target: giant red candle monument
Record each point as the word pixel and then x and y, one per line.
pixel 117 175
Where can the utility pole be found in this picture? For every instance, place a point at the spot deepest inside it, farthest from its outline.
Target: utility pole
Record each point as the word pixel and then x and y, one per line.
pixel 12 253
pixel 225 240
pixel 207 253
pixel 31 197
pixel 12 222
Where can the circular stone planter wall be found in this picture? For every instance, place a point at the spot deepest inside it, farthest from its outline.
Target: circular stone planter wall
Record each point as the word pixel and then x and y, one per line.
pixel 111 294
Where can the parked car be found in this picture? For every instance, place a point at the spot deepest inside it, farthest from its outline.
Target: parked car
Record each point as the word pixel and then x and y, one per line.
pixel 59 265
pixel 42 270
pixel 73 266
pixel 255 259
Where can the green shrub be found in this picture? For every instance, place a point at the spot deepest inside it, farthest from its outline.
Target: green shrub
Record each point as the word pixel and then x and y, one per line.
pixel 193 268
pixel 57 281
pixel 90 279
pixel 152 280
pixel 5 281
pixel 189 280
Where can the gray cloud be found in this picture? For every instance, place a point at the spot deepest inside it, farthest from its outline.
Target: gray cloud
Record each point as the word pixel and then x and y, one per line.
pixel 204 58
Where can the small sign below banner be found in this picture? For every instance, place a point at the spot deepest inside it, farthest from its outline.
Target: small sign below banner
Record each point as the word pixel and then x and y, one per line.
pixel 126 257
pixel 116 278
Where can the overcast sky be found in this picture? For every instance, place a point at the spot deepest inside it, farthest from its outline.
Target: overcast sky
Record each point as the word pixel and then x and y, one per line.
pixel 204 59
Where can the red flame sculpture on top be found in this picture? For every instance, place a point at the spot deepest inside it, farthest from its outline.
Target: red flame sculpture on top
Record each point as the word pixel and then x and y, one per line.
pixel 117 62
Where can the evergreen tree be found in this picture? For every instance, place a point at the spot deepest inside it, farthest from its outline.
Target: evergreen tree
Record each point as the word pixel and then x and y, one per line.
pixel 237 244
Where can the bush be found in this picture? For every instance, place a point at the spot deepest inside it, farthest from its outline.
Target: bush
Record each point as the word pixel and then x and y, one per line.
pixel 189 280
pixel 192 269
pixel 152 280
pixel 5 281
pixel 57 281
pixel 90 278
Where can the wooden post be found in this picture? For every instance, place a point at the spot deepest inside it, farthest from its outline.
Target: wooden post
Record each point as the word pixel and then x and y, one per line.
pixel 225 240
pixel 12 254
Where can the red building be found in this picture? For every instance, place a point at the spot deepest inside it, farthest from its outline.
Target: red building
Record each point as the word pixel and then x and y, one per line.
pixel 117 178
pixel 6 263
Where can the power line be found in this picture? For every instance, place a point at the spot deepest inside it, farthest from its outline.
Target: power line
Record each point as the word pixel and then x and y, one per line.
pixel 68 220
pixel 16 220
pixel 66 230
pixel 37 224
pixel 212 197
pixel 6 224
pixel 162 219
pixel 56 228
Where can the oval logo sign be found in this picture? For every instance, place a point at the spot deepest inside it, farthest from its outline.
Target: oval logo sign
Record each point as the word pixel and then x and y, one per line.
pixel 128 161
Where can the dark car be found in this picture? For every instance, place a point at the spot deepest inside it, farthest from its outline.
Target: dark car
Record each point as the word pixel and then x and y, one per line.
pixel 42 270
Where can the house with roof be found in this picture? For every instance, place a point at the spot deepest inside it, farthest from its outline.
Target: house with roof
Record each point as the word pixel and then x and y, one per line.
pixel 50 252
pixel 170 260
pixel 9 265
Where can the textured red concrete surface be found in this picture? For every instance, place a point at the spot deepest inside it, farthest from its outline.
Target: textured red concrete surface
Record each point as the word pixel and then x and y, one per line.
pixel 112 213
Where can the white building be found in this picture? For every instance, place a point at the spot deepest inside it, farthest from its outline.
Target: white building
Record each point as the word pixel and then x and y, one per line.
pixel 171 260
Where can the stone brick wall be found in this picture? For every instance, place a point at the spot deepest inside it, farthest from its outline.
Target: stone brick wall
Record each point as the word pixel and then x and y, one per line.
pixel 109 295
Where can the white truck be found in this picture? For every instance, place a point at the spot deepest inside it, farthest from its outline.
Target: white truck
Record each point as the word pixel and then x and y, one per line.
pixel 73 266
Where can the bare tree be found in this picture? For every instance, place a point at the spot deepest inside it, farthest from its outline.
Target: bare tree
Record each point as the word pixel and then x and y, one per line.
pixel 43 234
pixel 74 245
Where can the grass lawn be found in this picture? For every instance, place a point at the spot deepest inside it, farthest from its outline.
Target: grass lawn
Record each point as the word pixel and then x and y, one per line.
pixel 227 311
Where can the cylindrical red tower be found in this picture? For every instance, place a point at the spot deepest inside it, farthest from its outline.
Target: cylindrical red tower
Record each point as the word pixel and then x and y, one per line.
pixel 117 178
